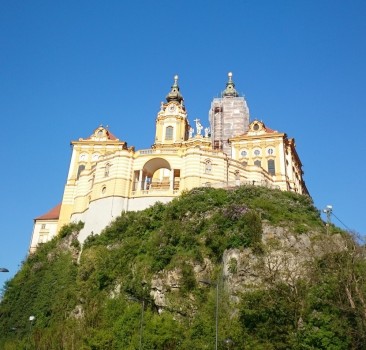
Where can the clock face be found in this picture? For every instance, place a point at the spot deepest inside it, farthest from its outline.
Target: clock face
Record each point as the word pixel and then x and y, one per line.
pixel 172 108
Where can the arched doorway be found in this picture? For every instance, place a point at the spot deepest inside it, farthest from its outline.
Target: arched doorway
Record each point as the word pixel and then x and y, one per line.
pixel 156 175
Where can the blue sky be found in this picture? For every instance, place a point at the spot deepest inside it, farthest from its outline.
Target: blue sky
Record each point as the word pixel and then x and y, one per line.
pixel 66 67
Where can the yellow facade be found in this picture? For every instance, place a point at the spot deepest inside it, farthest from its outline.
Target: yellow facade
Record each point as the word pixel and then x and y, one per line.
pixel 107 177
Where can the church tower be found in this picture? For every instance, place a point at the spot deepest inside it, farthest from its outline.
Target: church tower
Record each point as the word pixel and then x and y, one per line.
pixel 229 117
pixel 171 123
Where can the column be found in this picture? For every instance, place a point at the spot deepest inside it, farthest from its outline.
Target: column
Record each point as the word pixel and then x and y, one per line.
pixel 140 181
pixel 171 180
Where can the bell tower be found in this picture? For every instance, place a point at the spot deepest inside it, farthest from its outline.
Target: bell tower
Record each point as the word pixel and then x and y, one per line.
pixel 229 117
pixel 171 122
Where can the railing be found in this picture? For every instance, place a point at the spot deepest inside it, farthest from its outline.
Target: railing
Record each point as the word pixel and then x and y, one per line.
pixel 157 187
pixel 164 188
pixel 238 183
pixel 158 151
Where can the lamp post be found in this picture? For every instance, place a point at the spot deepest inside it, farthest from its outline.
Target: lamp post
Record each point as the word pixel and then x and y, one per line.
pixel 328 211
pixel 31 320
pixel 142 323
pixel 141 319
pixel 229 343
pixel 210 283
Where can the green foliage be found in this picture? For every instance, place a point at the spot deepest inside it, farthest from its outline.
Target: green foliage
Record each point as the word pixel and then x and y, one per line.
pixel 188 282
pixel 103 301
pixel 71 228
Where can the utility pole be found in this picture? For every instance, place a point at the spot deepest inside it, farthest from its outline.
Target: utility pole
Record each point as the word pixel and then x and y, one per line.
pixel 215 284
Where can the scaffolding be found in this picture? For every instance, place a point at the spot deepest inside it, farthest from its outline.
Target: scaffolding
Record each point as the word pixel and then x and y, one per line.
pixel 229 117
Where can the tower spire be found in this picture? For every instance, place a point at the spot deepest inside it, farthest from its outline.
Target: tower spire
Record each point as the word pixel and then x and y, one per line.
pixel 174 94
pixel 230 87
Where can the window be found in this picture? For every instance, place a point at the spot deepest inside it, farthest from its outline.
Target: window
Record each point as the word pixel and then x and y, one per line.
pixel 244 163
pixel 255 127
pixel 244 153
pixel 257 152
pixel 43 226
pixel 104 189
pixel 217 145
pixel 208 167
pixel 257 163
pixel 271 167
pixel 270 151
pixel 42 238
pixel 80 169
pixel 106 170
pixel 169 133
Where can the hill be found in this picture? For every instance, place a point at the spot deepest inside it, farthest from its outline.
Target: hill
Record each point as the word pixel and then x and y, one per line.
pixel 258 259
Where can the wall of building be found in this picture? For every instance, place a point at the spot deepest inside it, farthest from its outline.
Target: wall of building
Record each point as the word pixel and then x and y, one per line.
pixel 43 231
pixel 99 214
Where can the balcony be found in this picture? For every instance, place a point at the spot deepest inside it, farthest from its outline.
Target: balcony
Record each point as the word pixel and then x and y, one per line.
pixel 156 188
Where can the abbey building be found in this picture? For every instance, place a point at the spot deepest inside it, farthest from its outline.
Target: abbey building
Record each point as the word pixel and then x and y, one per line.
pixel 107 177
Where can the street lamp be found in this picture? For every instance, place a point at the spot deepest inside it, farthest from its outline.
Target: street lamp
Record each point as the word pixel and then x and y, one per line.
pixel 328 211
pixel 31 320
pixel 210 283
pixel 228 342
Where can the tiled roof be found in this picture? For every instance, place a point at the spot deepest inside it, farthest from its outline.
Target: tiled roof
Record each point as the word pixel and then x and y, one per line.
pixel 111 136
pixel 54 213
pixel 269 130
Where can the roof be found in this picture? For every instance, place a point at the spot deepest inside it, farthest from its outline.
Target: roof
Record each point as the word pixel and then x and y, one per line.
pixel 269 130
pixel 106 133
pixel 110 136
pixel 263 131
pixel 54 213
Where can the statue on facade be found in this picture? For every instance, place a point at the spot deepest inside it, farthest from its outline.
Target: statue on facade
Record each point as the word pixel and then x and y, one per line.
pixel 207 132
pixel 199 126
pixel 191 131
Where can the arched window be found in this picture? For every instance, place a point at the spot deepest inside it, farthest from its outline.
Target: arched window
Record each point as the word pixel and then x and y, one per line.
pixel 169 133
pixel 80 169
pixel 106 170
pixel 208 166
pixel 271 167
pixel 257 163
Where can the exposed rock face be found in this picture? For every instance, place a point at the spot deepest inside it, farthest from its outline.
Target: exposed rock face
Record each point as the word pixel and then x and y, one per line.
pixel 167 283
pixel 285 258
